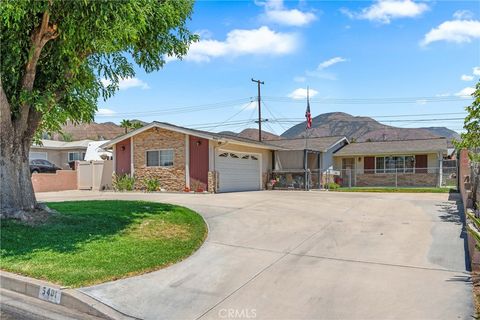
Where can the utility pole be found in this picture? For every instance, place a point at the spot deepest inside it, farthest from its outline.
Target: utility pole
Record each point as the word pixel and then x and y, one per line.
pixel 259 109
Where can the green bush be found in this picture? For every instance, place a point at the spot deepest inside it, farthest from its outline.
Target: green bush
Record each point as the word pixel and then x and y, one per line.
pixel 332 186
pixel 123 182
pixel 152 184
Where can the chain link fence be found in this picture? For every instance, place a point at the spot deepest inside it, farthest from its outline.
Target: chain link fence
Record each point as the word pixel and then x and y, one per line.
pixel 445 175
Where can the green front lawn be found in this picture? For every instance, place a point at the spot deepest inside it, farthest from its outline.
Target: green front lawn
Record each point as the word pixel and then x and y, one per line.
pixel 393 189
pixel 90 242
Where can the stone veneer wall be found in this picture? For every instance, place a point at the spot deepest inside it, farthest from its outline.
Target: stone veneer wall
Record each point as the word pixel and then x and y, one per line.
pixel 212 181
pixel 170 178
pixel 403 180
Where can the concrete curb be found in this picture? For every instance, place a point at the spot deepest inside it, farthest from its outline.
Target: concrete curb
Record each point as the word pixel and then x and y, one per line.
pixel 71 298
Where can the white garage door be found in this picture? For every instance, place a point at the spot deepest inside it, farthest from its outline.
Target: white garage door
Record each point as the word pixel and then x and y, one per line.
pixel 37 155
pixel 237 171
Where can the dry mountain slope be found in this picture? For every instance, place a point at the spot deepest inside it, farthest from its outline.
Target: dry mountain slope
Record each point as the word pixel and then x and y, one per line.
pixel 363 129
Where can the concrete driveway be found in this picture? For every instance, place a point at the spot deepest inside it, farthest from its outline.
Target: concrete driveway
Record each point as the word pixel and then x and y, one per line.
pixel 305 255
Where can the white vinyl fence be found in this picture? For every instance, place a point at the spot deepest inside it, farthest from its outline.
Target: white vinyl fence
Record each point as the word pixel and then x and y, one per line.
pixel 94 175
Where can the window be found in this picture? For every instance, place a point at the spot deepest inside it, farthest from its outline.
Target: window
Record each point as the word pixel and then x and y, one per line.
pixel 380 165
pixel 392 164
pixel 233 155
pixel 223 155
pixel 246 157
pixel 160 158
pixel 254 158
pixel 74 156
pixel 409 164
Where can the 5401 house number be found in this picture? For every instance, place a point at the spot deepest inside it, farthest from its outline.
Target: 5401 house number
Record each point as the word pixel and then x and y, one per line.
pixel 50 294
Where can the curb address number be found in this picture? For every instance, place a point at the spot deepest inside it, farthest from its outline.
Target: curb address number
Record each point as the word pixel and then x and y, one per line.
pixel 50 294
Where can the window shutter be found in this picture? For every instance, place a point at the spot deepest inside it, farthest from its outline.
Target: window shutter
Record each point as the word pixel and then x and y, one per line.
pixel 369 164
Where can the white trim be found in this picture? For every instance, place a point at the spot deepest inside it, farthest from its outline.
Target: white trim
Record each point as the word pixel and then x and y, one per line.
pixel 187 131
pixel 260 162
pixel 187 161
pixel 385 167
pixel 114 156
pixel 72 152
pixel 334 144
pixel 44 152
pixel 158 150
pixel 132 167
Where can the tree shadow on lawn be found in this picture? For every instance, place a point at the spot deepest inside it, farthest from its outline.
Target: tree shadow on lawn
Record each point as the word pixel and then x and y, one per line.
pixel 77 223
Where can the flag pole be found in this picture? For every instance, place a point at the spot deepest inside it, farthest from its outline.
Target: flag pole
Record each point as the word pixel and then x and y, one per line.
pixel 305 155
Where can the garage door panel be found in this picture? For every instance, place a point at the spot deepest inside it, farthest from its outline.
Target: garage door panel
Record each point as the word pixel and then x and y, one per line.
pixel 237 171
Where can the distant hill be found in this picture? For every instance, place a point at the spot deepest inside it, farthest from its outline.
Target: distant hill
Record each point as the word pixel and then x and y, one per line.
pixel 93 131
pixel 327 124
pixel 252 134
pixel 363 129
pixel 443 132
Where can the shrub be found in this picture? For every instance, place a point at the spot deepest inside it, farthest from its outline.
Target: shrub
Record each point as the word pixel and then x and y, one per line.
pixel 332 186
pixel 123 182
pixel 152 184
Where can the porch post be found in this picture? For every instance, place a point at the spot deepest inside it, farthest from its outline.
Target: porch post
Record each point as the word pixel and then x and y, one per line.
pixel 440 170
pixel 319 160
pixel 305 167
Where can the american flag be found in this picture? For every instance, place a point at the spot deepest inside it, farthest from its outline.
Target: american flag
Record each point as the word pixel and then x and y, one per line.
pixel 308 115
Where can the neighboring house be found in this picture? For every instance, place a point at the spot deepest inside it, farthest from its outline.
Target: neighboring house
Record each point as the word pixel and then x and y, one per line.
pixel 59 152
pixel 180 157
pixel 389 163
pixel 304 160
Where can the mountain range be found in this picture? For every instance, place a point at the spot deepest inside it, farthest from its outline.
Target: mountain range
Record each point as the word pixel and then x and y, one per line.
pixel 328 124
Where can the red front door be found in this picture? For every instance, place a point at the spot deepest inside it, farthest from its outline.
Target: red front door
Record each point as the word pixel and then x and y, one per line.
pixel 198 161
pixel 123 157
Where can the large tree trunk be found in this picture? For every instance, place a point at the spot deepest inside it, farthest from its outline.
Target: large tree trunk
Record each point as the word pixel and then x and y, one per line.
pixel 16 193
pixel 17 129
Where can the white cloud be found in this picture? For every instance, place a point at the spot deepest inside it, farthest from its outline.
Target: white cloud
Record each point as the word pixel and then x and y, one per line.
pixel 127 83
pixel 299 79
pixel 276 12
pixel 453 31
pixel 465 77
pixel 476 71
pixel 330 62
pixel 421 101
pixel 105 112
pixel 384 11
pixel 320 72
pixel 261 41
pixel 301 93
pixel 465 92
pixel 463 15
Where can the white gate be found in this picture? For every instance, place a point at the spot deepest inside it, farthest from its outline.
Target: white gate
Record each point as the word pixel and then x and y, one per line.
pixel 94 175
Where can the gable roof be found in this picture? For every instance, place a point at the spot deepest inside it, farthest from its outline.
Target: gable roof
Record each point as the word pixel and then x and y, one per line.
pixel 394 147
pixel 322 144
pixel 193 132
pixel 62 145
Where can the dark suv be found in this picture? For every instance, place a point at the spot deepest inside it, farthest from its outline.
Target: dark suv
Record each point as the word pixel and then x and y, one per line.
pixel 42 166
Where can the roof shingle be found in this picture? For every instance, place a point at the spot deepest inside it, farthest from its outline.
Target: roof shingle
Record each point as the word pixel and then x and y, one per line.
pixel 394 147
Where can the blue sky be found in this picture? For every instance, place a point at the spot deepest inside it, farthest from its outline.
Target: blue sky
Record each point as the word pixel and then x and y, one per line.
pixel 381 58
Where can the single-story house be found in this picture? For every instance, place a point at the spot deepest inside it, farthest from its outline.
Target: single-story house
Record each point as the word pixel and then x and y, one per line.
pixel 59 153
pixel 179 157
pixel 416 162
pixel 304 160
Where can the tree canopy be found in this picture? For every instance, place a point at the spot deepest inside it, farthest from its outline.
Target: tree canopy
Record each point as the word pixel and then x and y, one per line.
pixel 66 48
pixel 471 137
